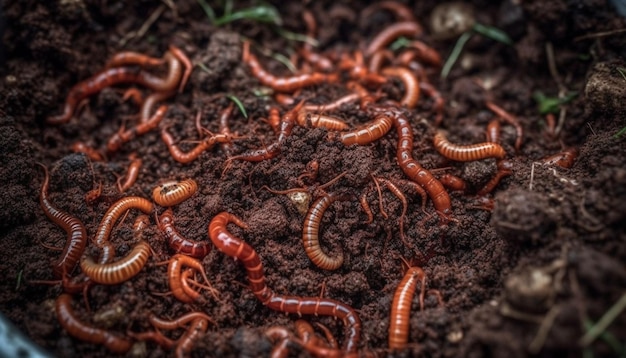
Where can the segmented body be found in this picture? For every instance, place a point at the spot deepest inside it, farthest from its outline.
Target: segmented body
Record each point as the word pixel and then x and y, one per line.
pixel 236 248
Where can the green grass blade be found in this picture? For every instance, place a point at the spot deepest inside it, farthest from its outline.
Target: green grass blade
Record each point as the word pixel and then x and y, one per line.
pixel 261 13
pixel 239 105
pixel 493 33
pixel 454 55
pixel 208 10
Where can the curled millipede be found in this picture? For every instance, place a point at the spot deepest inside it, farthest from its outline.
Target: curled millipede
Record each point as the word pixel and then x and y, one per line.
pixel 174 192
pixel 119 271
pixel 311 232
pixel 467 153
pixel 110 217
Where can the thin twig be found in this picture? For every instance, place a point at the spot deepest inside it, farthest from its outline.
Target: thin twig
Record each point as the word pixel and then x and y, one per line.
pixel 599 34
pixel 542 333
pixel 144 28
pixel 532 176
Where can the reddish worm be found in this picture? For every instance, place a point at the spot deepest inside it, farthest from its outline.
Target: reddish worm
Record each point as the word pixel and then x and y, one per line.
pixel 76 234
pixel 179 243
pixel 283 84
pixel 190 156
pixel 78 329
pixel 238 249
pixel 174 192
pixel 411 84
pixel 93 85
pixel 124 136
pixel 287 123
pixel 131 176
pixel 401 307
pixel 391 33
pixel 415 171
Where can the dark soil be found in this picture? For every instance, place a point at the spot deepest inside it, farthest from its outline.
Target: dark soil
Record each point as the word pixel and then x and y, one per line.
pixel 525 279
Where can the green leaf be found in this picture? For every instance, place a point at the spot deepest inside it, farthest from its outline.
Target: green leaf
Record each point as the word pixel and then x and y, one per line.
pixel 547 104
pixel 456 52
pixel 261 13
pixel 237 102
pixel 493 33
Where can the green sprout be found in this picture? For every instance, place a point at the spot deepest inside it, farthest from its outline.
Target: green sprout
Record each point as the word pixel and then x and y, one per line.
pixel 264 13
pixel 239 104
pixel 19 280
pixel 285 61
pixel 401 42
pixel 484 30
pixel 547 104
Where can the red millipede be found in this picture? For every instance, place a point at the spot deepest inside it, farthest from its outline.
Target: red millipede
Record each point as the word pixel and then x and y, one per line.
pixel 76 233
pixel 78 329
pixel 391 33
pixel 110 217
pixel 467 153
pixel 236 248
pixel 411 85
pixel 311 232
pixel 364 134
pixel 179 243
pixel 93 85
pixel 283 84
pixel 415 171
pixel 174 192
pixel 131 176
pixel 401 307
pixel 119 271
pixel 193 154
